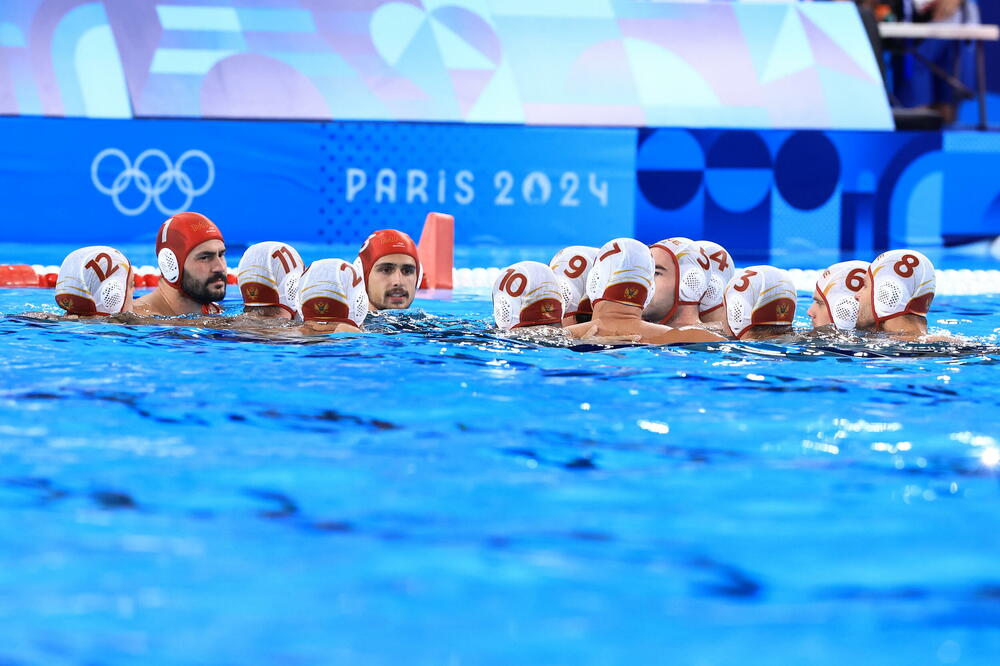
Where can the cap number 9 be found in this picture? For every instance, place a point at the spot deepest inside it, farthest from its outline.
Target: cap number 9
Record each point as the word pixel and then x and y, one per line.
pixel 578 265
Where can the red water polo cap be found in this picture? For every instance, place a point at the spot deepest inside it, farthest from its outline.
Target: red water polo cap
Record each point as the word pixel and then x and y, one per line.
pixel 384 242
pixel 176 238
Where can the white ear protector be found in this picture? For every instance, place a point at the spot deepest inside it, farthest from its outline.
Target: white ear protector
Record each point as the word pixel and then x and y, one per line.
pixel 169 268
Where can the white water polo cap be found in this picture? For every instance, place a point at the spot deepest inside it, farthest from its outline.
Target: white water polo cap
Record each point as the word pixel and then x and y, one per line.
pixel 571 266
pixel 331 290
pixel 269 274
pixel 838 286
pixel 720 272
pixel 623 273
pixel 690 266
pixel 93 281
pixel 759 296
pixel 527 294
pixel 903 282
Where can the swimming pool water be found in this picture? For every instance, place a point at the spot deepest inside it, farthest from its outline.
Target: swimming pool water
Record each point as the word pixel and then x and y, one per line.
pixel 442 496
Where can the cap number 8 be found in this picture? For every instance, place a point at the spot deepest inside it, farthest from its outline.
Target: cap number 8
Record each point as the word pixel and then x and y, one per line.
pixel 904 267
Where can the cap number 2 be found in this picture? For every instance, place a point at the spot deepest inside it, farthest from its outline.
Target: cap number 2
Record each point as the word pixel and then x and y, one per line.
pixel 109 269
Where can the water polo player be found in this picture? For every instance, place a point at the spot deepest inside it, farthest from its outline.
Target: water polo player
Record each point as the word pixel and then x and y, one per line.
pixel 527 294
pixel 268 276
pixel 720 272
pixel 835 299
pixel 681 275
pixel 390 266
pixel 760 304
pixel 94 281
pixel 897 294
pixel 621 286
pixel 191 254
pixel 571 266
pixel 332 297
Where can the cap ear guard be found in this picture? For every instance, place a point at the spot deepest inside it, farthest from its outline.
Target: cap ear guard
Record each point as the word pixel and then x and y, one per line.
pixel 692 269
pixel 845 313
pixel 113 295
pixel 169 268
pixel 502 314
pixel 839 286
pixel 693 286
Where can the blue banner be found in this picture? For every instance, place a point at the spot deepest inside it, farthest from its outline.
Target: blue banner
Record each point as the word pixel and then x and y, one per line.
pixel 511 185
pixel 79 180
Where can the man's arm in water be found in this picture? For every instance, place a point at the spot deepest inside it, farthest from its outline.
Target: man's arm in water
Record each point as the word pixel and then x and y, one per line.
pixel 687 334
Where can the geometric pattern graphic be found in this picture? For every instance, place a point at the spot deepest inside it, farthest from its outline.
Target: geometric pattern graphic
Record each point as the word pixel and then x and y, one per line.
pixel 592 62
pixel 766 193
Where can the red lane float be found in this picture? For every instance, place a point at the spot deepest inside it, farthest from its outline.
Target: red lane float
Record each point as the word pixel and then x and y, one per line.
pixel 23 275
pixel 18 275
pixel 437 251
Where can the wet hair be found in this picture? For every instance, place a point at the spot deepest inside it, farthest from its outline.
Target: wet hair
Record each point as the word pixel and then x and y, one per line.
pixel 263 310
pixel 764 331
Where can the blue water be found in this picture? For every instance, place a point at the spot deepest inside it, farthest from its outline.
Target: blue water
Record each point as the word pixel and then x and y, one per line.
pixel 441 496
pixel 975 256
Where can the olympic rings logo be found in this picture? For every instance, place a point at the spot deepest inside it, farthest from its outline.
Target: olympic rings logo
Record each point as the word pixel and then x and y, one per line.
pixel 151 190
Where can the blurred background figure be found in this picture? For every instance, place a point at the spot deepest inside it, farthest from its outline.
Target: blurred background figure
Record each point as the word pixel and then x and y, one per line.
pixel 913 83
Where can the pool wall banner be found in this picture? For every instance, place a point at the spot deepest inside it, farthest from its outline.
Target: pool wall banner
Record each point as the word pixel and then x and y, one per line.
pixel 88 180
pixel 536 62
pixel 765 193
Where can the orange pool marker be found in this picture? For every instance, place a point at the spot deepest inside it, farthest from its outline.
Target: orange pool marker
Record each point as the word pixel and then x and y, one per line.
pixel 437 251
pixel 18 275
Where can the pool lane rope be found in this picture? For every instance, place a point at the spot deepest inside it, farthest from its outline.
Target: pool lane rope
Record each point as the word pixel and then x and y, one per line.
pixel 950 282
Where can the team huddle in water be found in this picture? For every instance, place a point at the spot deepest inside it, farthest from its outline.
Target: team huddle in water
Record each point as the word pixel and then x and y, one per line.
pixel 676 290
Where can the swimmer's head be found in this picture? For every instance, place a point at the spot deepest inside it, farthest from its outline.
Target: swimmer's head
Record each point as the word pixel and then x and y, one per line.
pixel 95 280
pixel 268 276
pixel 527 294
pixel 901 282
pixel 835 299
pixel 681 275
pixel 760 302
pixel 191 254
pixel 623 273
pixel 330 290
pixel 390 266
pixel 571 266
pixel 720 272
